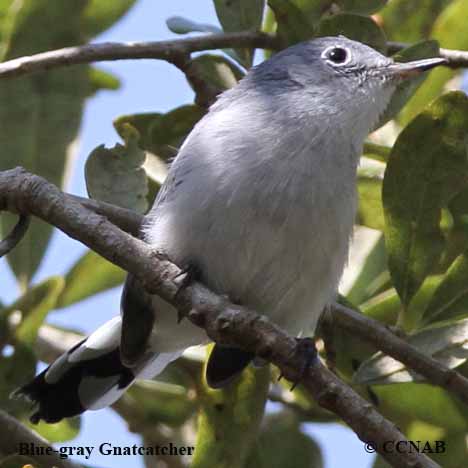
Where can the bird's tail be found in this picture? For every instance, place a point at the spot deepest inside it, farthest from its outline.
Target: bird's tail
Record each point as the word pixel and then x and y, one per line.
pixel 89 376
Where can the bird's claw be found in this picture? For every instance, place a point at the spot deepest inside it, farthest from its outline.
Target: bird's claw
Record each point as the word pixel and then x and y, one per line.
pixel 305 348
pixel 190 274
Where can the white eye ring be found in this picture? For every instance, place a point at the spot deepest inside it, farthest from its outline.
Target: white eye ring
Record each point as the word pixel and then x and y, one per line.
pixel 326 55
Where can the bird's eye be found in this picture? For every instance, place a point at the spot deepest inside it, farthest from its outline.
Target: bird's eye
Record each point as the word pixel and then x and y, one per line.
pixel 337 55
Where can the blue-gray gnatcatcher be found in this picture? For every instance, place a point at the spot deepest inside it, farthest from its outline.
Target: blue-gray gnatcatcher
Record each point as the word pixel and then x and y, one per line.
pixel 261 199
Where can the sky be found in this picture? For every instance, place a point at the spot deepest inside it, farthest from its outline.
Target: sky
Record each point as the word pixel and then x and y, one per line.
pixel 155 86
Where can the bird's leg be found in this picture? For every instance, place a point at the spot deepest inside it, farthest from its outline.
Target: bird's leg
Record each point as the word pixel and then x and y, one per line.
pixel 326 332
pixel 305 348
pixel 190 273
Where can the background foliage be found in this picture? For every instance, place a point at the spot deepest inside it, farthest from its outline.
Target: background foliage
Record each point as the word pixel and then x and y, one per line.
pixel 413 189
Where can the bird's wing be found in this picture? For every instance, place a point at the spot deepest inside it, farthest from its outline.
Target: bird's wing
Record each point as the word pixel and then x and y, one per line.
pixel 137 322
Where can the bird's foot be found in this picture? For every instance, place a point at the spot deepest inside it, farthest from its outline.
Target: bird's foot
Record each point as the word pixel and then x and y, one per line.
pixel 306 350
pixel 189 274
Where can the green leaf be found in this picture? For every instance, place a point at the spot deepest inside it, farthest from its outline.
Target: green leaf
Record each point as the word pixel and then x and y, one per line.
pixel 100 15
pixel 298 18
pixel 370 211
pixel 65 430
pixel 218 71
pixel 427 167
pixel 34 306
pixel 356 27
pixel 90 275
pixel 240 15
pixel 160 402
pixel 6 24
pixel 269 26
pixel 162 134
pixel 15 370
pixel 414 311
pixel 39 114
pixel 372 274
pixel 116 175
pixel 406 403
pixel 450 299
pixel 100 79
pixel 446 343
pixel 376 152
pixel 406 89
pixel 411 21
pixel 293 25
pixel 450 31
pixel 363 7
pixel 384 307
pixel 282 441
pixel 181 25
pixel 229 420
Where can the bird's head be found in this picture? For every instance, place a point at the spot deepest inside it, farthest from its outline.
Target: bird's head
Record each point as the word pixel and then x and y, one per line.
pixel 341 81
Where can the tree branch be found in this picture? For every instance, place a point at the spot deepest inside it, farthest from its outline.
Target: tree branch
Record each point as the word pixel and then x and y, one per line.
pixel 163 50
pixel 205 92
pixel 223 322
pixel 455 58
pixel 15 433
pixel 16 234
pixel 167 50
pixel 386 341
pixel 127 220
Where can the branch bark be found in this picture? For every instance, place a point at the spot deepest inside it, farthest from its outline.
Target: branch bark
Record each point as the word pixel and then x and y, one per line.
pixel 383 339
pixel 127 220
pixel 167 50
pixel 223 322
pixel 205 92
pixel 15 236
pixel 455 58
pixel 163 50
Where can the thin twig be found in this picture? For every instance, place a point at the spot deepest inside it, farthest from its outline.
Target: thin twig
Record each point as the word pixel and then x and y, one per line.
pixel 205 92
pixel 167 50
pixel 16 234
pixel 163 50
pixel 223 322
pixel 455 58
pixel 127 220
pixel 14 433
pixel 386 341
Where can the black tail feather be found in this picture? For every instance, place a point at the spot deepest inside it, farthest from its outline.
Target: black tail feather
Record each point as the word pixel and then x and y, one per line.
pixel 53 401
pixel 62 397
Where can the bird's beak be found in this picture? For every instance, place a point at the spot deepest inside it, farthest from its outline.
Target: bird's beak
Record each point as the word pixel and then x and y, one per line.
pixel 411 69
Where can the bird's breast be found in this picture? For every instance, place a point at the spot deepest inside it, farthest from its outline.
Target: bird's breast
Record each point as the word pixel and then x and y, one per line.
pixel 273 238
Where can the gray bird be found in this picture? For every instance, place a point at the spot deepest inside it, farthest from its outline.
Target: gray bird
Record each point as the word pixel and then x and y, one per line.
pixel 261 200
